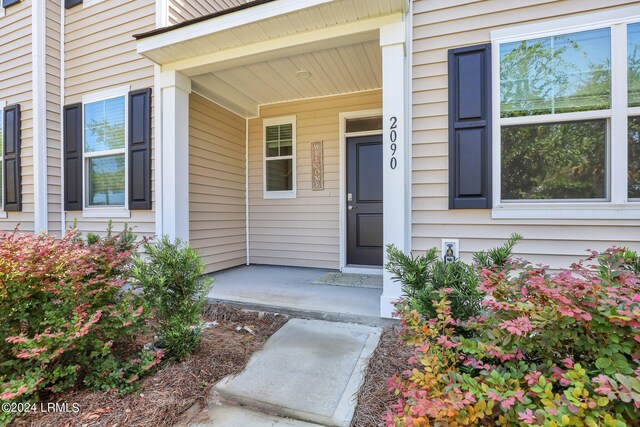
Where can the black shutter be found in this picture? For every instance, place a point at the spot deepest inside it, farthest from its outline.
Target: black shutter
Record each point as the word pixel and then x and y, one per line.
pixel 8 3
pixel 470 127
pixel 68 4
pixel 72 122
pixel 11 170
pixel 140 149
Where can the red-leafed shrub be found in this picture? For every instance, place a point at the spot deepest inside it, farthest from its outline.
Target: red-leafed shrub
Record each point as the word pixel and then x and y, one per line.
pixel 62 308
pixel 549 349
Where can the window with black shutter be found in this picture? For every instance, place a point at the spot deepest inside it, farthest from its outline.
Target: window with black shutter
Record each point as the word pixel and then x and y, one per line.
pixel 107 143
pixel 140 149
pixel 73 157
pixel 11 164
pixel 470 127
pixel 68 4
pixel 9 3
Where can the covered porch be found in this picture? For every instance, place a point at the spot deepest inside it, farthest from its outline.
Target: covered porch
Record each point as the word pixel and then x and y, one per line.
pixel 316 74
pixel 300 291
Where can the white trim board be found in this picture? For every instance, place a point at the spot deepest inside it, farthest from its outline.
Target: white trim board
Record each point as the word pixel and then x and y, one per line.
pixel 39 87
pixel 63 212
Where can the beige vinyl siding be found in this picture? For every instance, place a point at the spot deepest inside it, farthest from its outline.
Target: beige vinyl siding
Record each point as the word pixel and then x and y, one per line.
pixel 52 61
pixel 440 25
pixel 100 53
pixel 180 10
pixel 217 215
pixel 304 231
pixel 16 88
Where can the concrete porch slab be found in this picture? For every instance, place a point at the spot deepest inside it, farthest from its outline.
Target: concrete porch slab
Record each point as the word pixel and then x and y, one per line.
pixel 310 370
pixel 292 290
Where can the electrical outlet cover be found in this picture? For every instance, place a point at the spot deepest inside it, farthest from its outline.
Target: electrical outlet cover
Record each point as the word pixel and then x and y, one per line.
pixel 450 249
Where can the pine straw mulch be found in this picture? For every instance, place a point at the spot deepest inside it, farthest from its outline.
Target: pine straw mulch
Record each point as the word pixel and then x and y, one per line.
pixel 166 395
pixel 391 357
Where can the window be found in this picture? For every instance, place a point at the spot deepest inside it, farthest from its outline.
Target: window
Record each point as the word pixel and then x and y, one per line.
pixel 568 109
pixel 556 94
pixel 280 158
pixel 104 147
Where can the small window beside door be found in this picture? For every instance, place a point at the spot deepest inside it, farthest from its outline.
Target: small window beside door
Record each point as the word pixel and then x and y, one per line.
pixel 280 158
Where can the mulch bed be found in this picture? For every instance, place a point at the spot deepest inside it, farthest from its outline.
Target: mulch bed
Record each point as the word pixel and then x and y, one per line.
pixel 166 395
pixel 374 398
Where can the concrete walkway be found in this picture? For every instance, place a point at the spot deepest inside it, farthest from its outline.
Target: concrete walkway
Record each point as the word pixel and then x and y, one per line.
pixel 292 290
pixel 308 373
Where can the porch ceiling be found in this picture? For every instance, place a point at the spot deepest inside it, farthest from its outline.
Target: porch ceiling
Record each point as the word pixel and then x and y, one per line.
pixel 253 56
pixel 260 23
pixel 344 69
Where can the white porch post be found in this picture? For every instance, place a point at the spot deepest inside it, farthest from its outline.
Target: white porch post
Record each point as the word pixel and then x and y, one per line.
pixel 174 201
pixel 397 166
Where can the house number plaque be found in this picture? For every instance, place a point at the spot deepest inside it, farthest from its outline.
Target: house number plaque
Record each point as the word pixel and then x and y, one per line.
pixel 317 166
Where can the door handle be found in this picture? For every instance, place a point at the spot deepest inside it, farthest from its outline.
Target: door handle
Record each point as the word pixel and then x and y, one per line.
pixel 352 207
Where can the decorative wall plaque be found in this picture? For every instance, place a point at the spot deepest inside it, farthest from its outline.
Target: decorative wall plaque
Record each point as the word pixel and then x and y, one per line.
pixel 317 166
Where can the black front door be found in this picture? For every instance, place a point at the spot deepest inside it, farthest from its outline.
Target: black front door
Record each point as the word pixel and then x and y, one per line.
pixel 364 200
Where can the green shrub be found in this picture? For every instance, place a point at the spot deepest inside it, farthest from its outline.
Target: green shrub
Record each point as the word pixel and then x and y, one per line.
pixel 62 309
pixel 551 350
pixel 170 282
pixel 497 256
pixel 424 276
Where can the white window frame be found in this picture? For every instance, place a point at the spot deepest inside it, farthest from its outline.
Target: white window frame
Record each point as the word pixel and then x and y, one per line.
pixel 106 211
pixel 2 11
pixel 275 121
pixel 3 104
pixel 89 3
pixel 617 205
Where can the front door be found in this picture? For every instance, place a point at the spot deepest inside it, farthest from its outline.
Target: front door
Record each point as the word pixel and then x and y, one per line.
pixel 364 200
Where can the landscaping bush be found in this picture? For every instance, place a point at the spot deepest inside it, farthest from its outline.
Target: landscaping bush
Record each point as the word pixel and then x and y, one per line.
pixel 170 281
pixel 62 310
pixel 551 349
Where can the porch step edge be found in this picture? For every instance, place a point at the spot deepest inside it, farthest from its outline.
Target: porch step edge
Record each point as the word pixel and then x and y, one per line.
pixel 308 314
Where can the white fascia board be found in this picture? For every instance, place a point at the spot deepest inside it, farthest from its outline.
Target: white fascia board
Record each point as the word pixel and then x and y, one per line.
pixel 325 38
pixel 226 22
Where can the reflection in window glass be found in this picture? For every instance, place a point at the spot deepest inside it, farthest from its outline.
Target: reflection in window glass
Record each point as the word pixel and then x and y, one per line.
pixel 558 74
pixel 364 124
pixel 106 181
pixel 558 161
pixel 279 140
pixel 633 60
pixel 104 125
pixel 280 175
pixel 634 157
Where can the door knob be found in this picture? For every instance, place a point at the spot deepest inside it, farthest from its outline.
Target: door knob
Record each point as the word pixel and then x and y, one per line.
pixel 352 208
